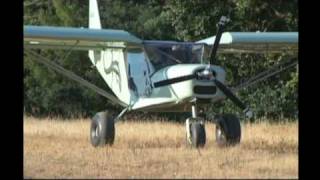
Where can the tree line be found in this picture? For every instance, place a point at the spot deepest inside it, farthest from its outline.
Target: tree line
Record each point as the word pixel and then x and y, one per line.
pixel 47 93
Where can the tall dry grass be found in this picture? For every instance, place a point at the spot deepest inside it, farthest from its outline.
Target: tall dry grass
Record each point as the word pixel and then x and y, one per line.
pixel 61 149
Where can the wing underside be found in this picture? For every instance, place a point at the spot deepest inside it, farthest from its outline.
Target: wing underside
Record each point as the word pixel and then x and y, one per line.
pixel 77 38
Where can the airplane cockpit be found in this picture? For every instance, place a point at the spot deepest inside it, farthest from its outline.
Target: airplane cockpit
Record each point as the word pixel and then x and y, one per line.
pixel 143 62
pixel 163 54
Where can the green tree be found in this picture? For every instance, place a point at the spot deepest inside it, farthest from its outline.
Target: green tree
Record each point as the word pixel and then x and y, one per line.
pixel 47 92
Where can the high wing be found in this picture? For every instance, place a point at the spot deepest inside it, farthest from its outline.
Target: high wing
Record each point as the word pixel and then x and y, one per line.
pixel 77 38
pixel 108 55
pixel 255 42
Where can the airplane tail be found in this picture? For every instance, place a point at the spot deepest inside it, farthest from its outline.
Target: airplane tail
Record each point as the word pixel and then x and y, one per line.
pixel 94 23
pixel 109 62
pixel 94 17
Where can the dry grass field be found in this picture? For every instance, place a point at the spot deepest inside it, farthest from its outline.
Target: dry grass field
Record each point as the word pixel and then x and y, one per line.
pixel 61 149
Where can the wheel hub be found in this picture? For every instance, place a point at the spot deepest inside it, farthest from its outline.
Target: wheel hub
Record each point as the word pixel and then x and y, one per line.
pixel 220 135
pixel 96 131
pixel 188 131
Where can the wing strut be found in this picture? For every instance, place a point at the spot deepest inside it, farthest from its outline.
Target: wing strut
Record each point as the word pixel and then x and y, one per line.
pixel 276 69
pixel 45 61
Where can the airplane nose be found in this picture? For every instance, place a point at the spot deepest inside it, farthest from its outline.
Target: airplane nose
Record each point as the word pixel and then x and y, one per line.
pixel 203 86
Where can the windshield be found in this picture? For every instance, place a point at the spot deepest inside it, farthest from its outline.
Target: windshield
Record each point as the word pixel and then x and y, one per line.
pixel 162 54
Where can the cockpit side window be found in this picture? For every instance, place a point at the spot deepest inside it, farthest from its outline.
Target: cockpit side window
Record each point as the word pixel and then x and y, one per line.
pixel 139 71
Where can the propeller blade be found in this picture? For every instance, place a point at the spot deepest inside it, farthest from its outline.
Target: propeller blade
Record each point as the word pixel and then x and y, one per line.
pixel 230 94
pixel 174 80
pixel 221 25
pixel 234 98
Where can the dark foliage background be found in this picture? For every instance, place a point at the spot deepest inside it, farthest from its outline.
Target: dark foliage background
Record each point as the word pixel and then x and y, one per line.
pixel 47 93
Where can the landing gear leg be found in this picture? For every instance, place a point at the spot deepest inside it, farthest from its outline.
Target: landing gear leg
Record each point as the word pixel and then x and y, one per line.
pixel 195 130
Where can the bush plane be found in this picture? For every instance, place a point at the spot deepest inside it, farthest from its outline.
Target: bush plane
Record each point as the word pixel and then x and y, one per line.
pixel 157 75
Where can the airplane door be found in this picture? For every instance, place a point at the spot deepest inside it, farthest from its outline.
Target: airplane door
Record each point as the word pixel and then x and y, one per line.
pixel 138 71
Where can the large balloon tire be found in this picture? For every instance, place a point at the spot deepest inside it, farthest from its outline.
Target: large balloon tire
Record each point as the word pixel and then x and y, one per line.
pixel 197 135
pixel 228 130
pixel 102 131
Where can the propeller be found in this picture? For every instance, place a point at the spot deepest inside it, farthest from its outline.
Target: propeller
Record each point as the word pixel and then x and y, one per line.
pixel 220 26
pixel 208 74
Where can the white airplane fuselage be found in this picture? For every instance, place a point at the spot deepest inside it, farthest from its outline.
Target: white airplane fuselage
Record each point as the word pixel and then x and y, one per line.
pixel 177 97
pixel 131 76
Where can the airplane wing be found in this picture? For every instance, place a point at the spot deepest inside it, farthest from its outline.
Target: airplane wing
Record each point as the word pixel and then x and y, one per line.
pixel 77 38
pixel 255 42
pixel 99 40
